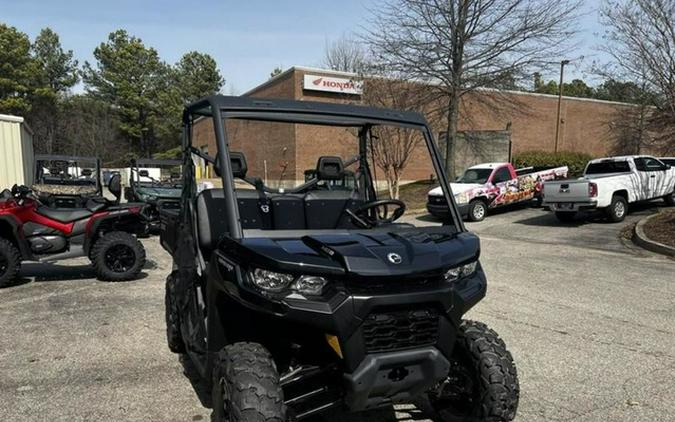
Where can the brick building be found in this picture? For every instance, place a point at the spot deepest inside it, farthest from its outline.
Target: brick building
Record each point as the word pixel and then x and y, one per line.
pixel 529 119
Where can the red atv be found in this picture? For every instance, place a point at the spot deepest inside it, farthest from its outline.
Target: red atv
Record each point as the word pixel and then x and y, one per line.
pixel 105 231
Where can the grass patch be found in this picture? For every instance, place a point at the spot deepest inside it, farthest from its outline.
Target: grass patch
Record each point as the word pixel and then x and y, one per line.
pixel 413 194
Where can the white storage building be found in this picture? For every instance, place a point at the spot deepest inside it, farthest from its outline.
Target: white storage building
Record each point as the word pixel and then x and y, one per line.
pixel 16 152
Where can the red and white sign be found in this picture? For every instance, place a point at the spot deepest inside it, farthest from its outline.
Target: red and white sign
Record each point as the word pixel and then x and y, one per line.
pixel 331 84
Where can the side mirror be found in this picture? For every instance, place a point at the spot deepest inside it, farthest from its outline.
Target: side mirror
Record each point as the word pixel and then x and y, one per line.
pixel 144 173
pixel 86 172
pixel 115 186
pixel 668 166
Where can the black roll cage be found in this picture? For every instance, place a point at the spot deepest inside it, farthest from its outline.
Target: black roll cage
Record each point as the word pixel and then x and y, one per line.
pixel 70 158
pixel 147 162
pixel 220 107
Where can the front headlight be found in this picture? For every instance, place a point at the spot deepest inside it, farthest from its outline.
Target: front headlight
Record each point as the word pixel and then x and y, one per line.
pixel 271 281
pixel 456 273
pixel 309 285
pixel 462 198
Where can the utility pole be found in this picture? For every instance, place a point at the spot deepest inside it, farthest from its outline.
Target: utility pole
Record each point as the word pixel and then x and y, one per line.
pixel 560 93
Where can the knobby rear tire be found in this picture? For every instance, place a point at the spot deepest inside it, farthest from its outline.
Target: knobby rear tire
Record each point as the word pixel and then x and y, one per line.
pixel 104 245
pixel 10 262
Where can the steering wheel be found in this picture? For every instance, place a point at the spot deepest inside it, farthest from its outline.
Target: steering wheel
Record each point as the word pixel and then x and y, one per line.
pixel 363 216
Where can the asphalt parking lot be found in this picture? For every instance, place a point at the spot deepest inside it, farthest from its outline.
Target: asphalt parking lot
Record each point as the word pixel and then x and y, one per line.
pixel 589 318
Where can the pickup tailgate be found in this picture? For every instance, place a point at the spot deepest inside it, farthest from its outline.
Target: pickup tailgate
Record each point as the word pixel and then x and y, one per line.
pixel 566 191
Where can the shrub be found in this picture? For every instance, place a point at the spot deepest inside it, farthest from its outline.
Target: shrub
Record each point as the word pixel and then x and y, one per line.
pixel 575 161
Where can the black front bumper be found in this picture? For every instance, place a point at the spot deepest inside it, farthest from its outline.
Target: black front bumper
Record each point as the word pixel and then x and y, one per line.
pixel 443 211
pixel 394 377
pixel 378 373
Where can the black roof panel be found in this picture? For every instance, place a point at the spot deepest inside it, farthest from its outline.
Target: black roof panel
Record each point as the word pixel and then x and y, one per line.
pixel 252 106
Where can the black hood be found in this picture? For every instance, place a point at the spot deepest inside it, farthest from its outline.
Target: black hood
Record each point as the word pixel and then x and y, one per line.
pixel 376 253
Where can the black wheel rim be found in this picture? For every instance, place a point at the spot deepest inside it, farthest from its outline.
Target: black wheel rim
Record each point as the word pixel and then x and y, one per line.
pixel 120 258
pixel 457 395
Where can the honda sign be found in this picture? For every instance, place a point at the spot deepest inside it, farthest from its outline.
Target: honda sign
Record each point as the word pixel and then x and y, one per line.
pixel 331 84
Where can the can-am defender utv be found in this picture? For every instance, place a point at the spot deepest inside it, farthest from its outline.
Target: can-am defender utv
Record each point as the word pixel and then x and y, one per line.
pixel 294 299
pixel 103 230
pixel 65 181
pixel 156 183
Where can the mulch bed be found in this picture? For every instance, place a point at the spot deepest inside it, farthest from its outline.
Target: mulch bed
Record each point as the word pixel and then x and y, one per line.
pixel 662 228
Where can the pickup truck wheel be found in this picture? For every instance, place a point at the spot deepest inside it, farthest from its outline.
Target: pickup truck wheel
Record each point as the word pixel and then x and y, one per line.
pixel 246 385
pixel 477 210
pixel 669 199
pixel 10 262
pixel 483 381
pixel 617 209
pixel 565 216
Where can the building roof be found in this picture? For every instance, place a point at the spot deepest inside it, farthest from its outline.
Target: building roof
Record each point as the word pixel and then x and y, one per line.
pixel 10 118
pixel 337 73
pixel 303 111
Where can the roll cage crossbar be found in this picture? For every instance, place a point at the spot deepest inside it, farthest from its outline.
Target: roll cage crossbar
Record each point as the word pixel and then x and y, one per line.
pixel 219 107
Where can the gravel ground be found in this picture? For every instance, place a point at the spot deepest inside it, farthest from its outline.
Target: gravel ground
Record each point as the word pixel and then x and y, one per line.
pixel 590 321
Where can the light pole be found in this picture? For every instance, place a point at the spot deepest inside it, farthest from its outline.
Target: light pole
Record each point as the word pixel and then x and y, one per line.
pixel 560 93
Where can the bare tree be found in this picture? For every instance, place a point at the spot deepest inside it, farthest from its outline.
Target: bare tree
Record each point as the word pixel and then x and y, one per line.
pixel 463 45
pixel 392 148
pixel 641 43
pixel 346 55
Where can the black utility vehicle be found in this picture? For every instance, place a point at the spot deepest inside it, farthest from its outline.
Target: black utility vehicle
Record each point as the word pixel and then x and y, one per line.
pixel 294 299
pixel 156 183
pixel 65 181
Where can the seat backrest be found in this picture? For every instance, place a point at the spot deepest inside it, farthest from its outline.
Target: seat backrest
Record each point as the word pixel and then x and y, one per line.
pixel 250 209
pixel 288 212
pixel 324 209
pixel 211 219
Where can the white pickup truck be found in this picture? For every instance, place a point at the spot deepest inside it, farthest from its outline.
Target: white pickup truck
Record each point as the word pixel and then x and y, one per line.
pixel 610 184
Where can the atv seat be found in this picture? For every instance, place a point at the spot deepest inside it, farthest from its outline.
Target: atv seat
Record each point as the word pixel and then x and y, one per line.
pixel 96 204
pixel 211 222
pixel 64 215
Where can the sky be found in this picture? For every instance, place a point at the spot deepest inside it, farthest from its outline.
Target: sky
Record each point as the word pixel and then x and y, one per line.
pixel 248 39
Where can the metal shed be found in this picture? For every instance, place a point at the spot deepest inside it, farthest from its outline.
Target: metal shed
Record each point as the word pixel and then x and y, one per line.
pixel 16 152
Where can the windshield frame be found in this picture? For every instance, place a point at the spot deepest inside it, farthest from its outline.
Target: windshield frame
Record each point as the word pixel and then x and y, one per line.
pixel 135 181
pixel 221 108
pixel 79 162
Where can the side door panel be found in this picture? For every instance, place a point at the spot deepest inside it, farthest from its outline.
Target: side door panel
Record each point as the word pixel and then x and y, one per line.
pixel 652 177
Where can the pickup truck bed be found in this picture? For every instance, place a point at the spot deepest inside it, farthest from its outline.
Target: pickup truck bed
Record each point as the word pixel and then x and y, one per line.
pixel 610 184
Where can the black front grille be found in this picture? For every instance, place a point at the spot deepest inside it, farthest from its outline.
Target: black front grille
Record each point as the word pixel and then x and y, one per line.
pixel 436 200
pixel 400 330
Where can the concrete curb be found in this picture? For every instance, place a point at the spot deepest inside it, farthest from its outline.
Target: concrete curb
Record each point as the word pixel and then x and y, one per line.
pixel 641 239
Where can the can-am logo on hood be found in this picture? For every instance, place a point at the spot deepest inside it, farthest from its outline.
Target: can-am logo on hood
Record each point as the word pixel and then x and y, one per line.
pixel 330 84
pixel 394 258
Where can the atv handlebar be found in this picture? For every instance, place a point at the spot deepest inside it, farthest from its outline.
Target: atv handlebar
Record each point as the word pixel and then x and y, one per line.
pixel 22 192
